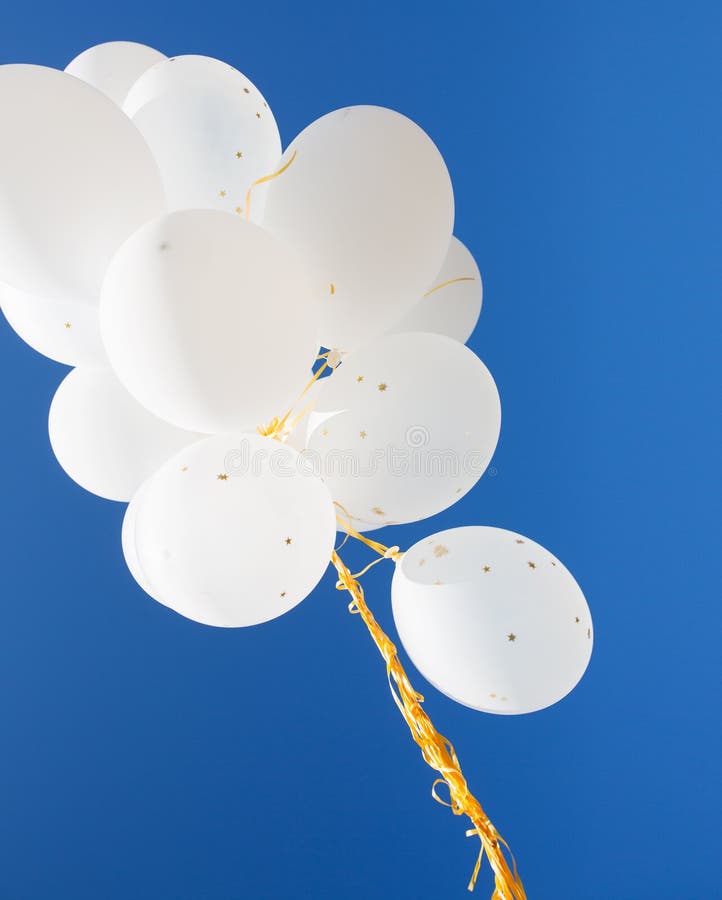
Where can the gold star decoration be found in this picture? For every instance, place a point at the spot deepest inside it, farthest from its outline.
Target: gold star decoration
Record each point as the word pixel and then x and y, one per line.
pixel 437 582
pixel 531 565
pixel 383 386
pixel 511 637
pixel 239 210
pixel 359 379
pixel 289 541
pixel 553 563
pixel 518 541
pixel 458 490
pixel 325 432
pixel 440 550
pixel 422 562
pixel 589 632
pixel 67 324
pixel 246 91
pixel 487 568
pixel 332 287
pixel 239 155
pixel 493 696
pixel 258 115
pixel 184 468
pixel 283 593
pixel 362 434
pixel 576 618
pixel 378 511
pixel 222 477
pixel 223 193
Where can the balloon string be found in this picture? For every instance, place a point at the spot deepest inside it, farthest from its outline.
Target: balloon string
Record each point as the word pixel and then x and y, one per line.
pixel 436 750
pixel 447 283
pixel 263 181
pixel 280 429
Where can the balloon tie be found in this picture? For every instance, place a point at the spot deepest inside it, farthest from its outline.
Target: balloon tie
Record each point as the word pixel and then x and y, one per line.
pixel 436 750
pixel 280 429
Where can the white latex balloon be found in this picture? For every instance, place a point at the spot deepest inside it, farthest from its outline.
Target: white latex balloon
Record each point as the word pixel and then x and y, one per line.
pixel 114 67
pixel 210 130
pixel 104 440
pixel 76 179
pixel 231 531
pixel 452 304
pixel 209 321
pixel 492 619
pixel 404 428
pixel 368 200
pixel 64 330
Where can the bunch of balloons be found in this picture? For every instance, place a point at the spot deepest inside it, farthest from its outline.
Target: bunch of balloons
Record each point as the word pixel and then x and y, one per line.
pixel 154 236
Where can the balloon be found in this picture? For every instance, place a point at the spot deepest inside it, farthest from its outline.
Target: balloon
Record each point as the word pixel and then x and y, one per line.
pixel 367 199
pixel 452 304
pixel 64 330
pixel 210 130
pixel 209 322
pixel 114 67
pixel 76 179
pixel 105 441
pixel 492 619
pixel 232 531
pixel 404 428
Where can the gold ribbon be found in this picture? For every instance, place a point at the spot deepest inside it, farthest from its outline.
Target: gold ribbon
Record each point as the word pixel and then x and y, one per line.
pixel 436 750
pixel 263 181
pixel 447 283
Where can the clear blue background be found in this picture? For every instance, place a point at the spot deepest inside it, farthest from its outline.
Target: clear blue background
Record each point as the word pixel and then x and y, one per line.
pixel 143 756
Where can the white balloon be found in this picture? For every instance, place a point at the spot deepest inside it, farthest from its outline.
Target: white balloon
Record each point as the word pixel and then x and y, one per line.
pixel 404 428
pixel 492 619
pixel 114 67
pixel 368 200
pixel 210 130
pixel 76 179
pixel 209 321
pixel 64 330
pixel 452 304
pixel 231 532
pixel 105 441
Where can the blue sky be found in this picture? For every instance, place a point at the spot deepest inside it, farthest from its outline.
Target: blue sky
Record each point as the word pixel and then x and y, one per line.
pixel 145 756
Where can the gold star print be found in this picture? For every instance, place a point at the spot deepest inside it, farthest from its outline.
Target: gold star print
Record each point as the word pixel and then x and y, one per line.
pixel 531 565
pixel 184 468
pixel 493 696
pixel 383 386
pixel 458 490
pixel 437 582
pixel 332 287
pixel 362 434
pixel 283 593
pixel 258 115
pixel 422 562
pixel 518 541
pixel 325 432
pixel 360 378
pixel 487 568
pixel 511 637
pixel 553 563
pixel 378 511
pixel 67 324
pixel 223 193
pixel 576 618
pixel 246 91
pixel 589 632
pixel 288 541
pixel 239 210
pixel 239 155
pixel 222 477
pixel 440 550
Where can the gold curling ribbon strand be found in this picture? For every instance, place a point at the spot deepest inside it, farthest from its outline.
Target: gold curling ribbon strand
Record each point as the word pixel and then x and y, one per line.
pixel 447 283
pixel 436 750
pixel 263 181
pixel 279 429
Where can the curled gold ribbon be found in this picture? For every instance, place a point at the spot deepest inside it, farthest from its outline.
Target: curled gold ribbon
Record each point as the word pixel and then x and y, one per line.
pixel 447 283
pixel 436 750
pixel 263 181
